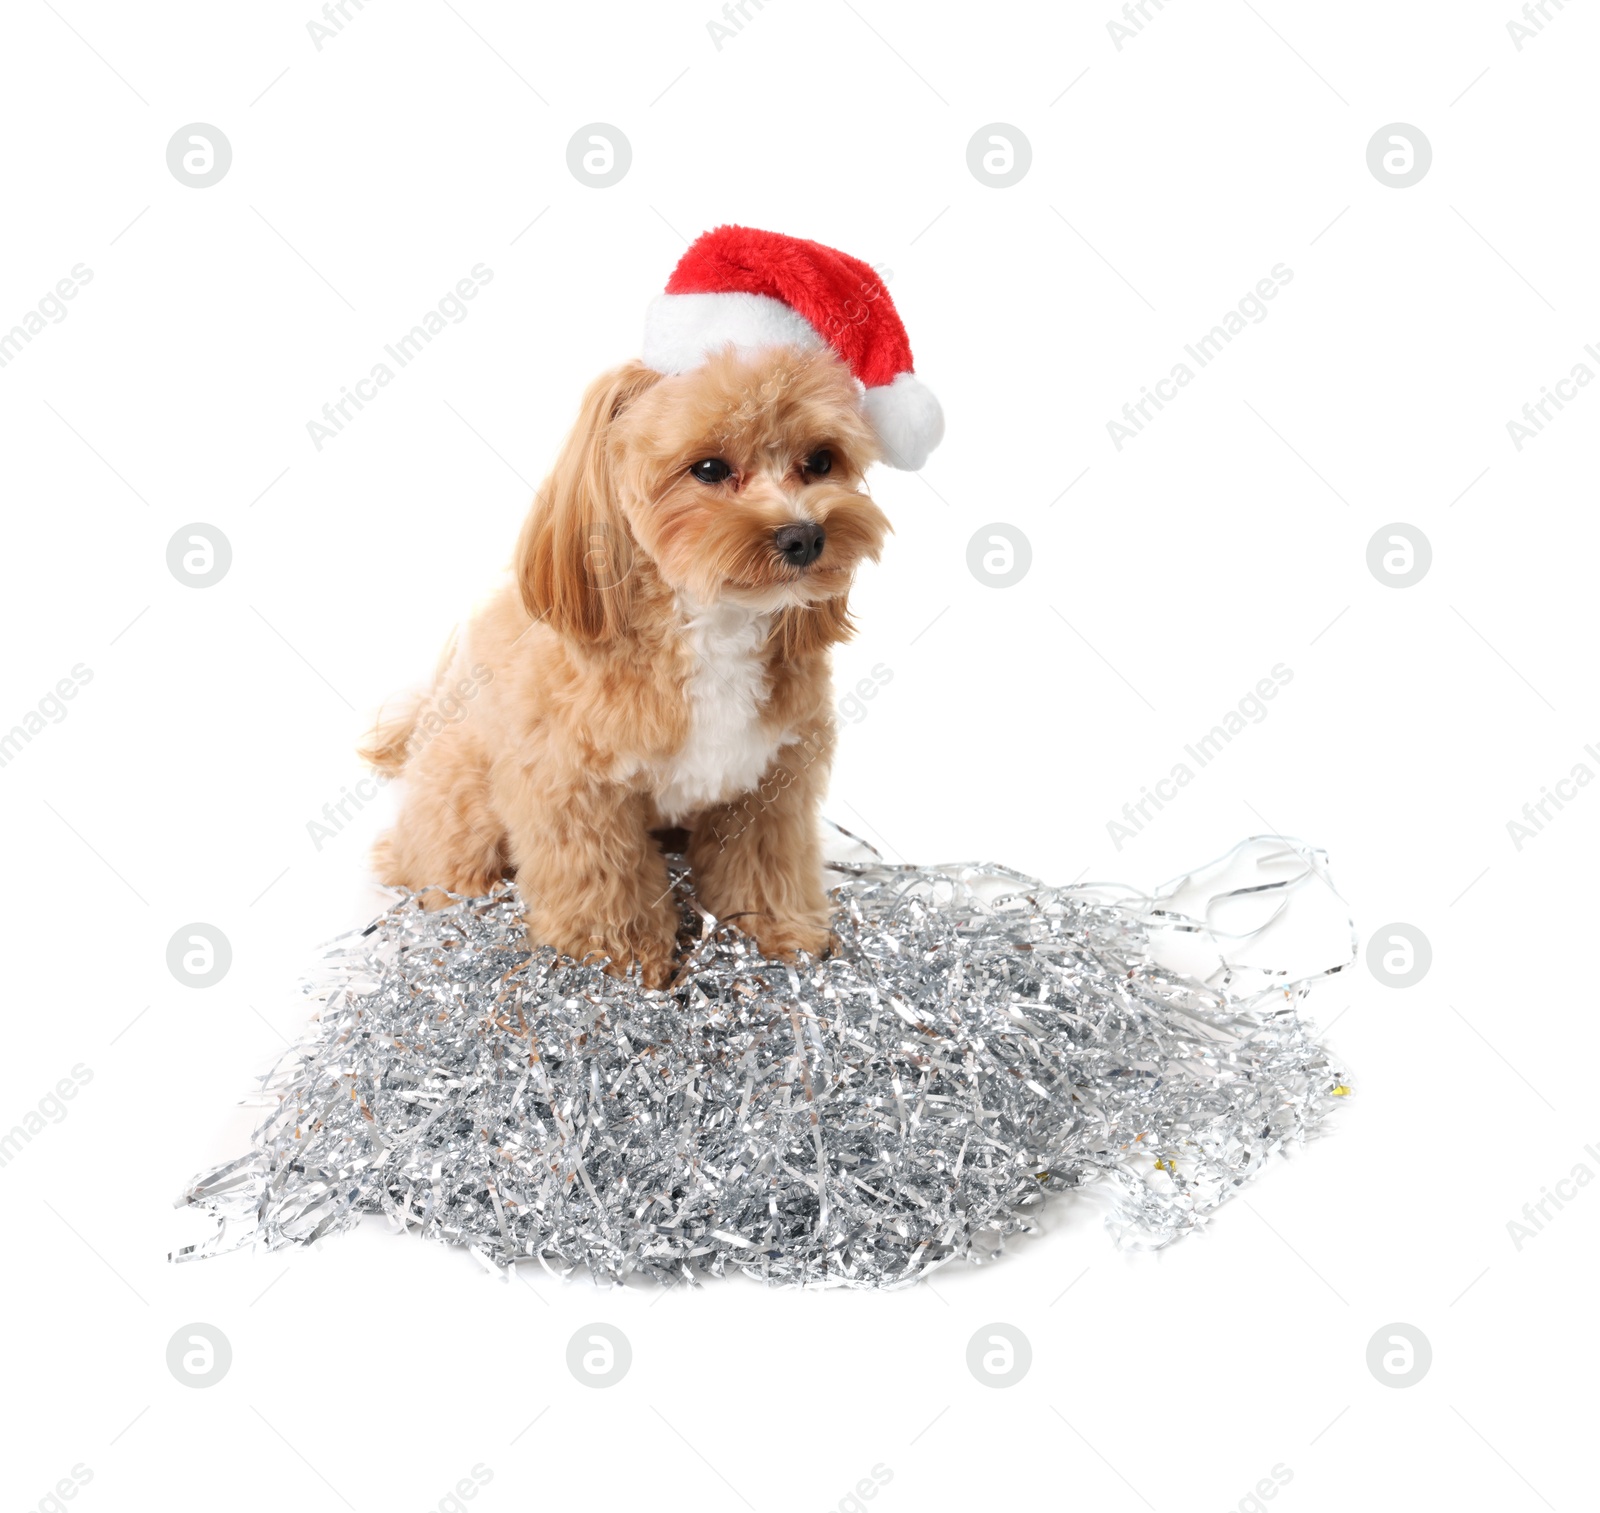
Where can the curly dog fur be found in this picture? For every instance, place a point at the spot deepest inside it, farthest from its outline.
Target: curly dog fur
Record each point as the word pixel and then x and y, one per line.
pixel 656 660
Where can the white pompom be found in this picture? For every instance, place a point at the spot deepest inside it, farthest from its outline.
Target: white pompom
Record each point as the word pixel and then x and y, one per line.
pixel 907 419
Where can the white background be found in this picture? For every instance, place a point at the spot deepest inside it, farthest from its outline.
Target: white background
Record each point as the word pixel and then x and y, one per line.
pixel 1229 536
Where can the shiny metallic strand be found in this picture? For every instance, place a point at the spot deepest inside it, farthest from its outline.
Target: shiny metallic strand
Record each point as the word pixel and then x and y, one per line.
pixel 977 1041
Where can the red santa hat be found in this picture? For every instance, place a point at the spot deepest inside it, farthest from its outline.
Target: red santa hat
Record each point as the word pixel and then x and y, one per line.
pixel 759 289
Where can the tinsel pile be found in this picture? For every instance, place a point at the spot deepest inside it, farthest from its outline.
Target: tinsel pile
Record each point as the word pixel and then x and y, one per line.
pixel 976 1041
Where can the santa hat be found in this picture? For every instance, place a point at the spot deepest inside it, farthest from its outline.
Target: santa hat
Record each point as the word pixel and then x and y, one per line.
pixel 759 289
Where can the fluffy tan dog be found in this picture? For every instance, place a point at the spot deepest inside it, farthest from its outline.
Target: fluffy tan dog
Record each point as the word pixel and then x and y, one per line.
pixel 660 659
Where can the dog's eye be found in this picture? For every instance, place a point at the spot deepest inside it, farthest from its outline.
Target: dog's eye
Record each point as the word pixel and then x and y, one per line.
pixel 819 464
pixel 712 470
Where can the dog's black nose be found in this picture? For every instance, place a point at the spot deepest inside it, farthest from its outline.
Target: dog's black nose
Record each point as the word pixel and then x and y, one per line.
pixel 801 545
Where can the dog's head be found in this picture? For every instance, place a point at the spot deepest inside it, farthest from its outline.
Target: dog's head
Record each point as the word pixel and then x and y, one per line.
pixel 738 481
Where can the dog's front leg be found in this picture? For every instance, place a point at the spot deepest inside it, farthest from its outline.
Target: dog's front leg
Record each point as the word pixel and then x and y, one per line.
pixel 592 881
pixel 757 862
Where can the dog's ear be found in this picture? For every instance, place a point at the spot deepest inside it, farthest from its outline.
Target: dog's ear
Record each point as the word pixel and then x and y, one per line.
pixel 805 629
pixel 575 556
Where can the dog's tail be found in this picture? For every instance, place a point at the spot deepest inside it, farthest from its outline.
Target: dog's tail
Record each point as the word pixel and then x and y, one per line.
pixel 387 747
pixel 388 743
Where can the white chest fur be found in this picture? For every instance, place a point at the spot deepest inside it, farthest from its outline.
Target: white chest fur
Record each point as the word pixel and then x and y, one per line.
pixel 727 748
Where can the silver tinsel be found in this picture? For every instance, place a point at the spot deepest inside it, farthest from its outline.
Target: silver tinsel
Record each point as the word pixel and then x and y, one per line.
pixel 976 1041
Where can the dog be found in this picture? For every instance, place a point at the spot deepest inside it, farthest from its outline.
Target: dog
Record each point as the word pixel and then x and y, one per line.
pixel 659 658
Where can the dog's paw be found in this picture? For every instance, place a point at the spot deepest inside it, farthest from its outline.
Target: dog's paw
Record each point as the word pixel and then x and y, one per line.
pixel 655 966
pixel 784 939
pixel 620 955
